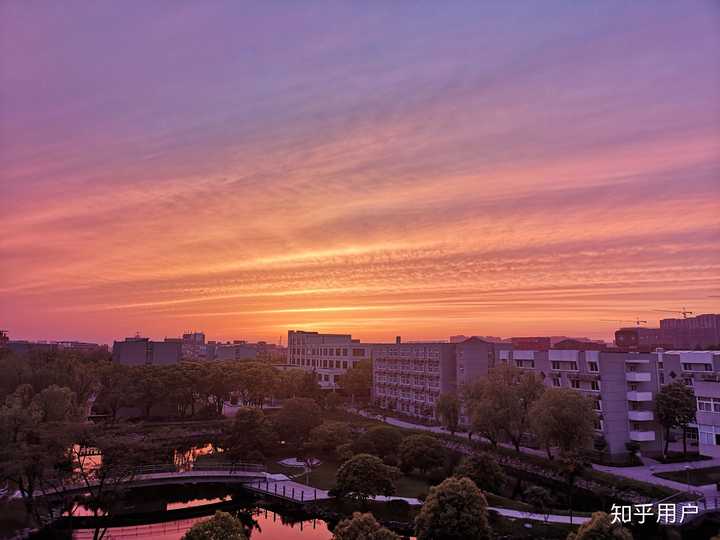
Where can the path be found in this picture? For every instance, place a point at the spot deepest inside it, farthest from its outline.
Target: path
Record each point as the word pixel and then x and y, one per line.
pixel 641 473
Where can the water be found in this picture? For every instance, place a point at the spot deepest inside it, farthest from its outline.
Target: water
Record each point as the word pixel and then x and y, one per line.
pixel 155 508
pixel 270 527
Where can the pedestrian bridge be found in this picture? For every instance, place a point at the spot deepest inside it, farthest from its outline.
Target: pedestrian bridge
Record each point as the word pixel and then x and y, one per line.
pixel 252 476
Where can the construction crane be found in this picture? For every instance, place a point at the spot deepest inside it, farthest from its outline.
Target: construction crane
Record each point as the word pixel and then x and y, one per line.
pixel 637 321
pixel 684 311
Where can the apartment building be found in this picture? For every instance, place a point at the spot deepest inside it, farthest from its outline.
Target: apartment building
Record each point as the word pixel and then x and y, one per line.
pixel 409 377
pixel 326 355
pixel 701 370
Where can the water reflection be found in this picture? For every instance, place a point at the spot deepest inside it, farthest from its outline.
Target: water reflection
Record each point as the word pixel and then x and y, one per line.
pixel 269 526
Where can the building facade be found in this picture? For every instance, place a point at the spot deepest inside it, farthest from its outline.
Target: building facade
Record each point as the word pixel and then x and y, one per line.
pixel 409 377
pixel 139 350
pixel 326 355
pixel 701 332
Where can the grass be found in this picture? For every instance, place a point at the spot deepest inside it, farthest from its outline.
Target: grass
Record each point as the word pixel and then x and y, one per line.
pixel 323 477
pixel 696 477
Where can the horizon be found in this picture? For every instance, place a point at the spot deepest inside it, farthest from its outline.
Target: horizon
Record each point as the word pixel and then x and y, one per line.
pixel 415 170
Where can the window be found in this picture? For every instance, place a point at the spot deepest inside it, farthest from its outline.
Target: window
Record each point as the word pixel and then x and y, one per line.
pixel 556 365
pixel 344 364
pixel 598 405
pixel 595 385
pixel 598 424
pixel 358 352
pixel 575 383
pixel 556 381
pixel 593 366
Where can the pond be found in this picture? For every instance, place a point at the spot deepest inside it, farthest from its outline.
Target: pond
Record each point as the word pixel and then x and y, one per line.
pixel 168 512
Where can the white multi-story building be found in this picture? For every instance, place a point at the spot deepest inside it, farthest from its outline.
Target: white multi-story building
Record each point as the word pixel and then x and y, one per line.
pixel 327 355
pixel 409 377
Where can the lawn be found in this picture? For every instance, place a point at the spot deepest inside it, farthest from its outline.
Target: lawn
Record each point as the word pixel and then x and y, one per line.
pixel 323 477
pixel 696 477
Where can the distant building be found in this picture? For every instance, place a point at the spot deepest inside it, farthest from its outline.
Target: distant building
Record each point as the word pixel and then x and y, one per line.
pixel 701 332
pixel 326 355
pixel 409 377
pixel 139 350
pixel 531 343
pixel 22 347
pixel 236 351
pixel 193 346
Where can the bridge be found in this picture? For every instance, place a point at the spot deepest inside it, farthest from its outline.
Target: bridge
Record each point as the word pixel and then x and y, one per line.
pixel 252 476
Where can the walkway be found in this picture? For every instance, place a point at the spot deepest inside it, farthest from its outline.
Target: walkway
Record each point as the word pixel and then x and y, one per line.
pixel 641 473
pixel 279 485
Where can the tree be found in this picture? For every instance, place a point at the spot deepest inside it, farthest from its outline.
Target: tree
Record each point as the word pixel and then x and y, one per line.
pixel 540 498
pixel 423 452
pixel 364 476
pixel 362 527
pixel 327 437
pixel 295 420
pixel 675 406
pixel 222 526
pixel 250 437
pixel 379 440
pixel 564 418
pixel 54 404
pixel 455 509
pixel 600 527
pixel 297 383
pixel 115 388
pixel 483 469
pixel 148 386
pixel 501 402
pixel 448 410
pixel 357 381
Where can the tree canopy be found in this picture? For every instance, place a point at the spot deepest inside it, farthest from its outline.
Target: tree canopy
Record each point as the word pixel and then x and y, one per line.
pixel 222 526
pixel 362 527
pixel 600 527
pixel 364 476
pixel 675 406
pixel 454 510
pixel 564 418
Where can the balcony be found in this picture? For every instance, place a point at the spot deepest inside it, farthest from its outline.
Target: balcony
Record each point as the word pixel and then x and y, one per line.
pixel 641 416
pixel 637 376
pixel 634 395
pixel 642 436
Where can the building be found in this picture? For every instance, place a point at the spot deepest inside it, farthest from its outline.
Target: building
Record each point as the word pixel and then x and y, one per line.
pixel 238 350
pixel 194 347
pixel 701 370
pixel 139 350
pixel 409 377
pixel 475 357
pixel 23 347
pixel 326 355
pixel 701 332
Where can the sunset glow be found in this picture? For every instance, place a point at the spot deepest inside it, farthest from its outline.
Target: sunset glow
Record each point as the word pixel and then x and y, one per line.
pixel 377 169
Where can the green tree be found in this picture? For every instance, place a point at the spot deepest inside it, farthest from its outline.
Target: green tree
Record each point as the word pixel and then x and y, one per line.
pixel 364 476
pixel 564 418
pixel 115 388
pixel 357 381
pixel 454 510
pixel 540 498
pixel 483 469
pixel 250 436
pixel 222 526
pixel 148 386
pixel 298 383
pixel 422 452
pixel 362 527
pixel 54 404
pixel 600 527
pixel 675 406
pixel 447 410
pixel 380 441
pixel 296 419
pixel 327 437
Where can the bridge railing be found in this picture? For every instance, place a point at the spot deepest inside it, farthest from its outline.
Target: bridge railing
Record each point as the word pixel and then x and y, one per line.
pixel 222 467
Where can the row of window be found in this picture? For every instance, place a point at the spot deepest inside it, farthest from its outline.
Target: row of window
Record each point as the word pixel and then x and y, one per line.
pixel 708 404
pixel 575 383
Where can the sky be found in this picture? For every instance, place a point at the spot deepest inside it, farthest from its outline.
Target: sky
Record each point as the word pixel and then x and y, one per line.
pixel 374 168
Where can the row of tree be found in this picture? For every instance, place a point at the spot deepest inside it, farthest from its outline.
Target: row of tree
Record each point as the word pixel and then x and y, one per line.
pixel 511 404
